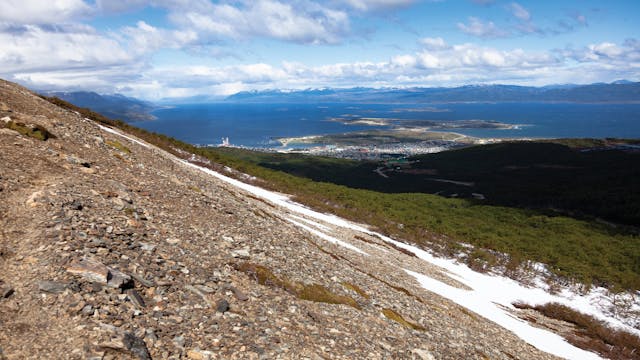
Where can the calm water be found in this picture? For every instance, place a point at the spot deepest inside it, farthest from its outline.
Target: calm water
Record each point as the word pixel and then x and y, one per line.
pixel 256 124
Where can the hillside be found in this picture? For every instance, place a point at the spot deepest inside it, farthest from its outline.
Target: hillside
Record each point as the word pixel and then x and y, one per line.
pixel 111 247
pixel 114 106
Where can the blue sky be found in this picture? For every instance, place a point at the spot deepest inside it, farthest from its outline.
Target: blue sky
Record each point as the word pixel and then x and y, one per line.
pixel 155 49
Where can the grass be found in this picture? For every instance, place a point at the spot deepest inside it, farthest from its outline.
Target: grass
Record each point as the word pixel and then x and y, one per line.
pixel 576 249
pixel 33 131
pixel 118 146
pixel 310 292
pixel 392 315
pixel 592 334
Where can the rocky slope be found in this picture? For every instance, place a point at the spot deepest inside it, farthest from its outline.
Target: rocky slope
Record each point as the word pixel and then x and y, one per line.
pixel 112 248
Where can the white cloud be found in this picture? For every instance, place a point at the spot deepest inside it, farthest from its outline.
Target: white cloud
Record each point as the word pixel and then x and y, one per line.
pixel 301 21
pixel 434 43
pixel 144 38
pixel 625 55
pixel 481 29
pixel 37 12
pixel 373 5
pixel 519 11
pixel 38 48
pixel 435 64
pixel 117 6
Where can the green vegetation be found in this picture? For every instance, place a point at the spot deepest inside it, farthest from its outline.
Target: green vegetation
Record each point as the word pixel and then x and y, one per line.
pixel 592 334
pixel 528 183
pixel 392 315
pixel 118 146
pixel 310 292
pixel 33 131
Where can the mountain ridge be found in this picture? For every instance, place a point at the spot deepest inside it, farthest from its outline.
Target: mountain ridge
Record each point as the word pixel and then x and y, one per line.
pixel 619 91
pixel 115 106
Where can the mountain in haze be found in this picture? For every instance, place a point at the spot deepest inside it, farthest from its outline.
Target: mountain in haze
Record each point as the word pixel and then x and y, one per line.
pixel 616 92
pixel 115 106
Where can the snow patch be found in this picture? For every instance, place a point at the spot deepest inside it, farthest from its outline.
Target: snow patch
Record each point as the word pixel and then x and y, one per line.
pixel 327 237
pixel 110 130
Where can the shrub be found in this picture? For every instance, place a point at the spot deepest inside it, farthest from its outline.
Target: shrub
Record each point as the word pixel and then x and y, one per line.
pixel 592 334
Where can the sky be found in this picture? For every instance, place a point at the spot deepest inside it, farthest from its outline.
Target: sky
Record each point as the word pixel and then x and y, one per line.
pixel 163 49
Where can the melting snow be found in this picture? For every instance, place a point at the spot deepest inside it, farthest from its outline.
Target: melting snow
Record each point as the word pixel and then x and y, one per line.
pixel 110 130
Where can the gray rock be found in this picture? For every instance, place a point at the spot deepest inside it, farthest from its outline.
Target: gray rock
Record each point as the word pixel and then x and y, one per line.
pixel 54 287
pixel 136 346
pixel 241 253
pixel 239 294
pixel 222 306
pixel 118 279
pixel 143 281
pixel 179 341
pixel 87 310
pixel 135 298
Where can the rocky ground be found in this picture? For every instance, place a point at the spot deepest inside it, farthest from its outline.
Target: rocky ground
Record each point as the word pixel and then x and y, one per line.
pixel 111 249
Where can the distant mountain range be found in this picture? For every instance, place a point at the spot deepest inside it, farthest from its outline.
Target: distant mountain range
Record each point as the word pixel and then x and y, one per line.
pixel 129 109
pixel 616 92
pixel 113 106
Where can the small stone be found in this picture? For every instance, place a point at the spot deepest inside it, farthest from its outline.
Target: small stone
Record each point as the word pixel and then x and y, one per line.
pixel 90 269
pixel 241 254
pixel 147 247
pixel 74 205
pixel 422 354
pixel 179 341
pixel 54 287
pixel 173 241
pixel 5 291
pixel 135 298
pixel 222 306
pixel 239 294
pixel 87 310
pixel 197 354
pixel 143 281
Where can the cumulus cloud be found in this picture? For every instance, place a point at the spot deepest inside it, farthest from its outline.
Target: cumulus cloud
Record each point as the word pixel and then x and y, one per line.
pixel 38 48
pixel 434 43
pixel 626 54
pixel 144 38
pixel 477 27
pixel 300 21
pixel 35 12
pixel 436 63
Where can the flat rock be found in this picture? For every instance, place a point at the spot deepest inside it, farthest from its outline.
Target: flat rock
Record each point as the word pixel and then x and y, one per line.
pixel 117 279
pixel 54 287
pixel 241 253
pixel 90 270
